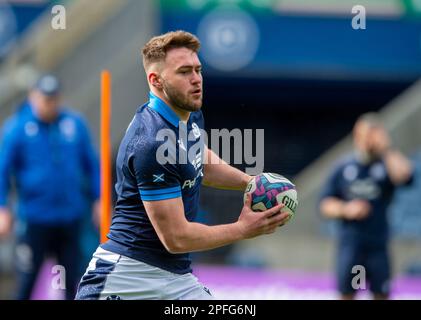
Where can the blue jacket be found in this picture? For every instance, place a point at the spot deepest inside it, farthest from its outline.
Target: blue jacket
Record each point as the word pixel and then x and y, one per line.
pixel 55 166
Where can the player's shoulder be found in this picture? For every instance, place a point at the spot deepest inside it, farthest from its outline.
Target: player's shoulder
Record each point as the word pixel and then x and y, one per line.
pixel 19 119
pixel 343 162
pixel 11 122
pixel 146 117
pixel 15 122
pixel 71 120
pixel 142 132
pixel 72 114
pixel 347 159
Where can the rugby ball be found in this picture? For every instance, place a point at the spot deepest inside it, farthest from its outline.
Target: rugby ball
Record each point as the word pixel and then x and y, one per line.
pixel 269 189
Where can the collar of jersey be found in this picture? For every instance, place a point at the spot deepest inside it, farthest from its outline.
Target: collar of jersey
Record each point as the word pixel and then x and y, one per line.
pixel 163 109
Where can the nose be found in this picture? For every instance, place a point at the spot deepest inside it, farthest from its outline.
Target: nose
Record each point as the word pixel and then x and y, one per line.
pixel 196 78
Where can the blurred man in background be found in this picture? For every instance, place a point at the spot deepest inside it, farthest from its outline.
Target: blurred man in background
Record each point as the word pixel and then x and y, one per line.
pixel 47 150
pixel 358 193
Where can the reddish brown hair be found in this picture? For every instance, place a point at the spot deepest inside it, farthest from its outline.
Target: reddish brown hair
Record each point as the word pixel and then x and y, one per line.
pixel 156 49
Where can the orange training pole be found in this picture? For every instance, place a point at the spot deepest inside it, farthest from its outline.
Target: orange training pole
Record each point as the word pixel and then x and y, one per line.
pixel 105 154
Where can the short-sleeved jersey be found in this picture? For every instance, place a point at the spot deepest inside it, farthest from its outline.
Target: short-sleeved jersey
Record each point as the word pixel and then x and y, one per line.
pixel 350 180
pixel 159 158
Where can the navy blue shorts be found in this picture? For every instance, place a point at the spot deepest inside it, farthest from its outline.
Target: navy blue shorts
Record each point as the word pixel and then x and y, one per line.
pixel 39 241
pixel 374 260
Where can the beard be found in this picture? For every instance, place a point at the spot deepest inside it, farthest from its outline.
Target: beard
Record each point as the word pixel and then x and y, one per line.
pixel 179 100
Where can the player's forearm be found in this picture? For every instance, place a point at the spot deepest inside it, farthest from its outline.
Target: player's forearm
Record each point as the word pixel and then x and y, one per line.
pixel 398 167
pixel 225 177
pixel 219 174
pixel 332 208
pixel 200 237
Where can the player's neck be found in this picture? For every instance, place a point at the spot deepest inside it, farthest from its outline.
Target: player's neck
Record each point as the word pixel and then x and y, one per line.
pixel 183 115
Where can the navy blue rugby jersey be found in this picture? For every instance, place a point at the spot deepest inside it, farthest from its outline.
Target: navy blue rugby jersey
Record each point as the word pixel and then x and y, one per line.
pixel 159 158
pixel 349 180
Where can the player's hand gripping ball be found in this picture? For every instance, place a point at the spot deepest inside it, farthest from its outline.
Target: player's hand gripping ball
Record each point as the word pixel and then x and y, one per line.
pixel 270 189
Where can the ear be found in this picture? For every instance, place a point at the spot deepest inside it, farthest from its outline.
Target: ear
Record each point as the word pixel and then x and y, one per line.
pixel 155 80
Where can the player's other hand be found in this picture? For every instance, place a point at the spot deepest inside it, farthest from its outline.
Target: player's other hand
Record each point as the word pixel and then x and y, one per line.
pixel 253 223
pixel 6 223
pixel 357 209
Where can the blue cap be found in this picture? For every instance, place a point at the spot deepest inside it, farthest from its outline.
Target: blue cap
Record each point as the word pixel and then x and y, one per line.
pixel 48 85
